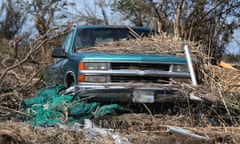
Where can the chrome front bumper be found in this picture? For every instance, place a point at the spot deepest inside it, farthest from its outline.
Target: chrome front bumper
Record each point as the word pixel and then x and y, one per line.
pixel 138 93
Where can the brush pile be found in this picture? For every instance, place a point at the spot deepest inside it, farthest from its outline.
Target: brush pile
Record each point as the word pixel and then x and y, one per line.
pixel 214 76
pixel 161 44
pixel 21 70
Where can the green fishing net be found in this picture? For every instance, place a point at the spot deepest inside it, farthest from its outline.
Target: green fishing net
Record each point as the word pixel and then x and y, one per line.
pixel 48 108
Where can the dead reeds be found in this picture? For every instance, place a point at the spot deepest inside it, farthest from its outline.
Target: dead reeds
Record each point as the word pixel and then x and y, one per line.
pixel 219 87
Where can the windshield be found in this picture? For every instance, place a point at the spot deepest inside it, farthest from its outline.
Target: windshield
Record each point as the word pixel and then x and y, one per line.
pixel 89 37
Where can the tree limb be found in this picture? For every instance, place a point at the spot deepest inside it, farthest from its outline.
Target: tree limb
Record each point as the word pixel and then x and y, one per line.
pixel 38 43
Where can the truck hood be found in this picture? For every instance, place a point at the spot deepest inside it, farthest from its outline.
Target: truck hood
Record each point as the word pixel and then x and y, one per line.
pixel 102 56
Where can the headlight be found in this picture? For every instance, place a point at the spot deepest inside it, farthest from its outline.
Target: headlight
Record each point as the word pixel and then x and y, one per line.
pixel 96 66
pixel 91 78
pixel 180 68
pixel 92 66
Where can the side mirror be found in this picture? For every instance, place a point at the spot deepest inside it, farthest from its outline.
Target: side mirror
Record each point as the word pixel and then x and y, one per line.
pixel 59 53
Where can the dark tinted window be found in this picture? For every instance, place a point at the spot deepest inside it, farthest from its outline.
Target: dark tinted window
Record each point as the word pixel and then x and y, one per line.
pixel 92 36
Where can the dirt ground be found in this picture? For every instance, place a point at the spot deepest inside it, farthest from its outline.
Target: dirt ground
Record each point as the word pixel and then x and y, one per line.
pixel 133 128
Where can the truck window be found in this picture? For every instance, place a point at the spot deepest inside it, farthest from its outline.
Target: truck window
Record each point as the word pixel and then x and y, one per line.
pixel 90 37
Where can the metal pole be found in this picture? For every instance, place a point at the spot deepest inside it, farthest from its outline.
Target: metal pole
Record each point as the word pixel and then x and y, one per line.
pixel 190 65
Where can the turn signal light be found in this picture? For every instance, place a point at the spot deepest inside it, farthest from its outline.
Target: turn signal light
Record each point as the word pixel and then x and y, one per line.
pixel 81 76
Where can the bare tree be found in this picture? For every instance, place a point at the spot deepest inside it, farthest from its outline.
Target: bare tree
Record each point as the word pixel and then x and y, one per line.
pixel 44 12
pixel 13 18
pixel 102 4
pixel 178 16
pixel 88 15
pixel 210 22
pixel 139 12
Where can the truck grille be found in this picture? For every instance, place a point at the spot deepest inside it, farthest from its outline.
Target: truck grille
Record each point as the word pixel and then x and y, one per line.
pixel 141 79
pixel 140 66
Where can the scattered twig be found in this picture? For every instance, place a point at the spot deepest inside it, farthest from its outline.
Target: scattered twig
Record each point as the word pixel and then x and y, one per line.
pixel 31 78
pixel 15 111
pixel 136 35
pixel 146 107
pixel 224 102
pixel 6 94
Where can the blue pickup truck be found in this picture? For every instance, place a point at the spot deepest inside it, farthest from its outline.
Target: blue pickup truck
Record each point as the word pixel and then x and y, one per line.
pixel 98 75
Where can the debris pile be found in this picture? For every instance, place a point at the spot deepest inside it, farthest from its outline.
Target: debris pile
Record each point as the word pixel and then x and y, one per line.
pixel 21 77
pixel 158 44
pixel 211 76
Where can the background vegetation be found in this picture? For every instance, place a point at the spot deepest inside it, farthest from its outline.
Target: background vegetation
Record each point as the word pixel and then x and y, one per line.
pixel 211 23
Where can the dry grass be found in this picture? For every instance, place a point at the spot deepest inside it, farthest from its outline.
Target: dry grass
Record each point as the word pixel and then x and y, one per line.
pixel 219 86
pixel 148 45
pixel 22 133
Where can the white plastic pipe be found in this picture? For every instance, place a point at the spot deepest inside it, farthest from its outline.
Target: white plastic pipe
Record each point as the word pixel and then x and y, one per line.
pixel 190 65
pixel 185 132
